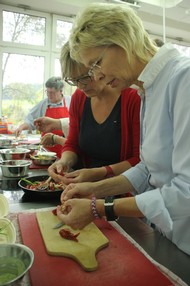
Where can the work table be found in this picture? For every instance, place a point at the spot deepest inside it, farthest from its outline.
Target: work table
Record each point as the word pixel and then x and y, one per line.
pixel 155 245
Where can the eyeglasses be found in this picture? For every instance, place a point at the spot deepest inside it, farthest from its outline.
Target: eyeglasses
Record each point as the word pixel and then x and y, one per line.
pixel 51 92
pixel 84 80
pixel 96 67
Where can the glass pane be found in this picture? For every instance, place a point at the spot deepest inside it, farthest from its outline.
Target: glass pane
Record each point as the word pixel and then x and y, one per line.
pixel 68 89
pixel 57 67
pixel 22 28
pixel 62 32
pixel 23 85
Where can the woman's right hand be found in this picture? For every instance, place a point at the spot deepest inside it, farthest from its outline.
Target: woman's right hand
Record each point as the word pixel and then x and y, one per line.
pixel 46 140
pixel 57 170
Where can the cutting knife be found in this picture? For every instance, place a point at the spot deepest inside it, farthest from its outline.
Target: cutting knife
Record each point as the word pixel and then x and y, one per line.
pixel 58 225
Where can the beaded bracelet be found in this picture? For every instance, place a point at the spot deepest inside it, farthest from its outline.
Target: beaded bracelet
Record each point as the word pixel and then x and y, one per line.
pixel 93 206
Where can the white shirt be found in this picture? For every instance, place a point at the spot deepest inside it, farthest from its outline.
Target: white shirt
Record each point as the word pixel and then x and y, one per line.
pixel 39 110
pixel 162 178
pixel 65 125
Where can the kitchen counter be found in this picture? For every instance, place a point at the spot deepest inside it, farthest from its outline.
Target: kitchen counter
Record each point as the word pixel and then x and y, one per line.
pixel 157 246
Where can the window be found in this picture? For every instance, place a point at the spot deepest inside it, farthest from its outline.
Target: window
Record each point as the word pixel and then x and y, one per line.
pixel 22 85
pixel 62 32
pixel 22 28
pixel 29 55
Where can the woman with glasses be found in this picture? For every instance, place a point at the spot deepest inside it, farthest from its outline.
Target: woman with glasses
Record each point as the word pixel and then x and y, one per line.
pixel 104 127
pixel 55 105
pixel 112 42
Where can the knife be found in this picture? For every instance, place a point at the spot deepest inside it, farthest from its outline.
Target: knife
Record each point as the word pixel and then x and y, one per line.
pixel 58 225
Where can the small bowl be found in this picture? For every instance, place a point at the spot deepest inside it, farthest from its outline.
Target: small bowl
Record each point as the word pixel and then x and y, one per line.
pixel 15 168
pixel 14 153
pixel 7 231
pixel 5 142
pixel 47 154
pixel 15 261
pixel 43 160
pixel 32 147
pixel 4 206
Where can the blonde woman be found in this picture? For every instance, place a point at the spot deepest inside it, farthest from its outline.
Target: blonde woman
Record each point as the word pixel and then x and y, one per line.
pixel 111 41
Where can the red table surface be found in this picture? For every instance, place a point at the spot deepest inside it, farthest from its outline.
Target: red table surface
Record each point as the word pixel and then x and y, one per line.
pixel 120 262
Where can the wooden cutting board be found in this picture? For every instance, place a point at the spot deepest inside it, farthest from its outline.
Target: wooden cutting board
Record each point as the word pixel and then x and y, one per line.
pixel 90 241
pixel 120 263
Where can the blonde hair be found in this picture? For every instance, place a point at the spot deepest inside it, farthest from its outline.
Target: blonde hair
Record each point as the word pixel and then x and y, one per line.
pixel 103 24
pixel 68 65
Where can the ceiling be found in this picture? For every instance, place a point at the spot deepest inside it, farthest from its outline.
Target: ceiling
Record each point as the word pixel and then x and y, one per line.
pixel 177 18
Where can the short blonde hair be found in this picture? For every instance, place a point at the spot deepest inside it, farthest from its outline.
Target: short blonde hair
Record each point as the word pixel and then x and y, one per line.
pixel 68 65
pixel 103 24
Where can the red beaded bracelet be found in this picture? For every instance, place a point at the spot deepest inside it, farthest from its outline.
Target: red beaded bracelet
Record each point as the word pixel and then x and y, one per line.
pixel 93 206
pixel 109 172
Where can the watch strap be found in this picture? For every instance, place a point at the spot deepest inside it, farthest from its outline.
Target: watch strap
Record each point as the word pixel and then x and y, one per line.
pixel 109 209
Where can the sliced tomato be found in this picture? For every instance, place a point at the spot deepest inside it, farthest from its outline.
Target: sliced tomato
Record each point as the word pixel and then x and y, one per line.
pixel 67 234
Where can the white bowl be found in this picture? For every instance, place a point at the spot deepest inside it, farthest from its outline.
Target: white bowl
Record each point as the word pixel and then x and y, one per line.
pixel 7 231
pixel 4 206
pixel 48 154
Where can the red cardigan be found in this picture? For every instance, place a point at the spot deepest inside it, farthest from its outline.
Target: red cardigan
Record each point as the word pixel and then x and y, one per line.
pixel 130 126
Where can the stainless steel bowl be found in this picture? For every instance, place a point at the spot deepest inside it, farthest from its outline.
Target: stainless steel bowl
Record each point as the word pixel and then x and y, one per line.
pixel 5 142
pixel 32 147
pixel 15 261
pixel 43 161
pixel 15 168
pixel 14 153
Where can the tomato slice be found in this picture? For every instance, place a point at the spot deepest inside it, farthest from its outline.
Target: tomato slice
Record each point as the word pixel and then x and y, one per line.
pixel 67 234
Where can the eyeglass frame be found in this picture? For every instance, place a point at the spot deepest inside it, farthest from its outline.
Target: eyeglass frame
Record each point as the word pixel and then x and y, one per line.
pixel 95 64
pixel 52 92
pixel 78 80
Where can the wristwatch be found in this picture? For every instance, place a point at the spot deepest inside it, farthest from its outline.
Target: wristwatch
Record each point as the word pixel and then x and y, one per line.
pixel 109 209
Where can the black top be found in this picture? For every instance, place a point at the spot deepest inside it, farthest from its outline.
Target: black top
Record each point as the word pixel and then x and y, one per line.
pixel 101 143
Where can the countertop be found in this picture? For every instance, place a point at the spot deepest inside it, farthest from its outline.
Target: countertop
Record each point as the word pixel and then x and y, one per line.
pixel 154 243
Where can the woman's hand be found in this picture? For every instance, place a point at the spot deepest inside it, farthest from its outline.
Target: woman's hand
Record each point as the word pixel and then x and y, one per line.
pixel 80 190
pixel 46 140
pixel 86 175
pixel 77 213
pixel 47 124
pixel 57 171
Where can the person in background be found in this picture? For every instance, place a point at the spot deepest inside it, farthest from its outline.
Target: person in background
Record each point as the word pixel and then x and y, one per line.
pixel 124 54
pixel 103 131
pixel 158 42
pixel 55 105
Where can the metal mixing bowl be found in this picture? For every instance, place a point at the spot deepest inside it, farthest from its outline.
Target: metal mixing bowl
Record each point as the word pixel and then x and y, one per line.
pixel 15 168
pixel 15 261
pixel 14 153
pixel 32 147
pixel 5 142
pixel 43 160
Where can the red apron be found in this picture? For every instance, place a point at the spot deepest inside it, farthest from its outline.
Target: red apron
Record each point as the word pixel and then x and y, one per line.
pixel 57 113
